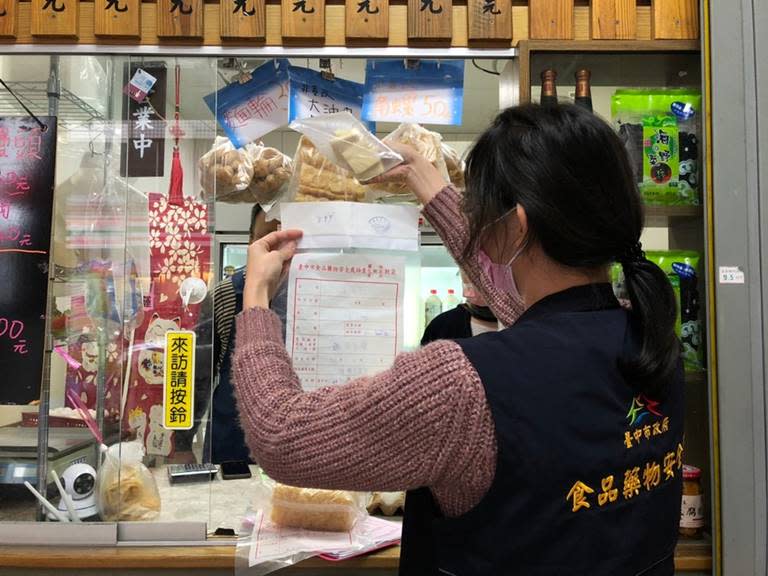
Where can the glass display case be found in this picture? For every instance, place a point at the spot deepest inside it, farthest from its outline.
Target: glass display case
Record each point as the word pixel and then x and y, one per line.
pixel 139 243
pixel 135 255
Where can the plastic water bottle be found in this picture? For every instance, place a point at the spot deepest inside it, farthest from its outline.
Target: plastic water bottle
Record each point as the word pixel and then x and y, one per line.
pixel 432 307
pixel 451 301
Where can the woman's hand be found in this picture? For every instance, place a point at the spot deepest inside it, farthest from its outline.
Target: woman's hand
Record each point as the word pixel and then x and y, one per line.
pixel 268 261
pixel 424 179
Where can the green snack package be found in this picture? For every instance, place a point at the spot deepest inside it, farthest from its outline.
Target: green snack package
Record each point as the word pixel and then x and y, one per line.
pixel 661 159
pixel 681 268
pixel 660 129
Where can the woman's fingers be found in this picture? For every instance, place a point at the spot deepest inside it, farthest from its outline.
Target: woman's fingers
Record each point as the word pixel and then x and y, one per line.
pixel 274 240
pixel 407 152
pixel 397 174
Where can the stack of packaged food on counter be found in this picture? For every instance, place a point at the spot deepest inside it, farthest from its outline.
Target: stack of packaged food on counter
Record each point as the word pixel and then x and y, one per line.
pixel 336 159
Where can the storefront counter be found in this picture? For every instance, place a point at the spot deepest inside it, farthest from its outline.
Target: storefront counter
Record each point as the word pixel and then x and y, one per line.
pixel 229 501
pixel 691 556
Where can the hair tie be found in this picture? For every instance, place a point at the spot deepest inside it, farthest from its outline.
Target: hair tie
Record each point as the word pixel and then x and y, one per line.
pixel 632 255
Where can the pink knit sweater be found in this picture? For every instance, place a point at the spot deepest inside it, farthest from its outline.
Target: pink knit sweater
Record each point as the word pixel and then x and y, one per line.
pixel 423 422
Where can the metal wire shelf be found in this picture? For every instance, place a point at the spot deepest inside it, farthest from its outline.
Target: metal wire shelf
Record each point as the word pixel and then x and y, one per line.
pixel 72 109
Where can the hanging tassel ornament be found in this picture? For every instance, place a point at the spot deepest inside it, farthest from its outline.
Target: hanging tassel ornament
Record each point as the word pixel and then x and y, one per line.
pixel 176 187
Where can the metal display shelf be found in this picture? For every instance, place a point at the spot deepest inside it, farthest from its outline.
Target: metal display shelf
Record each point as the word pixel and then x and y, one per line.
pixel 35 95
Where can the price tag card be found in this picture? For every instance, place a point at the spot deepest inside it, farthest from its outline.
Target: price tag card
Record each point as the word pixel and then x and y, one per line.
pixel 55 18
pixel 242 19
pixel 248 111
pixel 8 21
pixel 312 94
pixel 117 18
pixel 367 19
pixel 303 19
pixel 731 275
pixel 140 85
pixel 429 92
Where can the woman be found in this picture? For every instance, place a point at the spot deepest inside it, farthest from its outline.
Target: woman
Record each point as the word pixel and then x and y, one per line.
pixel 552 447
pixel 468 319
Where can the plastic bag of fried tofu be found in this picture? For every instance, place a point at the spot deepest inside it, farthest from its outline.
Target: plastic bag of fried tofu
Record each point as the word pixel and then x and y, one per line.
pixel 317 179
pixel 455 166
pixel 346 141
pixel 226 172
pixel 314 509
pixel 272 171
pixel 428 144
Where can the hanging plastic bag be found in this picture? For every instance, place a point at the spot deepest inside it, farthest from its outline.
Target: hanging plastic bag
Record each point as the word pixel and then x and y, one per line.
pixel 427 144
pixel 316 179
pixel 226 172
pixel 346 141
pixel 126 488
pixel 272 171
pixel 455 166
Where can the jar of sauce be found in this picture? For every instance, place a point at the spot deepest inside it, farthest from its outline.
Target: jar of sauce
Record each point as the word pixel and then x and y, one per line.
pixel 692 510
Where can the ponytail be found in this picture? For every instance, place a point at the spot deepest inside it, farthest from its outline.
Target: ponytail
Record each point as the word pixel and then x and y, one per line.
pixel 654 311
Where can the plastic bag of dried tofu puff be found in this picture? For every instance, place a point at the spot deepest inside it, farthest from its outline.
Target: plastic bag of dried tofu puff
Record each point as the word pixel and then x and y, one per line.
pixel 316 179
pixel 272 171
pixel 126 489
pixel 226 172
pixel 346 141
pixel 286 525
pixel 455 166
pixel 427 143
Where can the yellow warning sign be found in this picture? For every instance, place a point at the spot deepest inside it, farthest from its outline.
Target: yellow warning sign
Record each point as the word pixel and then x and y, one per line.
pixel 179 383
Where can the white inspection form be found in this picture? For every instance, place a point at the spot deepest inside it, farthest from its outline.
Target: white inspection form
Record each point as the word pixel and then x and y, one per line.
pixel 344 316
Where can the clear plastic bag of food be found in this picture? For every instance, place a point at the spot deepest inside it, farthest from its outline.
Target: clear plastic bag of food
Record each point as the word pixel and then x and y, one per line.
pixel 346 141
pixel 315 178
pixel 126 489
pixel 455 166
pixel 427 144
pixel 286 525
pixel 315 509
pixel 272 171
pixel 226 172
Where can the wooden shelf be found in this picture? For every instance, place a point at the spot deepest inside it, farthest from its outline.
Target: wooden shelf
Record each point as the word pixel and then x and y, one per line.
pixel 527 47
pixel 664 216
pixel 691 555
pixel 696 378
pixel 609 46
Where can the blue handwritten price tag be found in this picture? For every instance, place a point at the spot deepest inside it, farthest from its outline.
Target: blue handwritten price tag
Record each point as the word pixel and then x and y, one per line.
pixel 430 92
pixel 313 95
pixel 249 110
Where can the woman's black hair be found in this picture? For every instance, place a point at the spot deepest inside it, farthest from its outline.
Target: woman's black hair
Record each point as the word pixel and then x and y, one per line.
pixel 571 173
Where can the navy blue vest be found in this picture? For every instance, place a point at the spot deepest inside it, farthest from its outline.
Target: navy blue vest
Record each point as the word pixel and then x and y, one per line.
pixel 227 437
pixel 589 475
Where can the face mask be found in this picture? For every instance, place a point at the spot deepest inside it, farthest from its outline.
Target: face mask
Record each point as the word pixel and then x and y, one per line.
pixel 500 274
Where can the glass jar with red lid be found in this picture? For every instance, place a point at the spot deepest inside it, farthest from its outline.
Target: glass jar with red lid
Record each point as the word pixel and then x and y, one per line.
pixel 692 509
